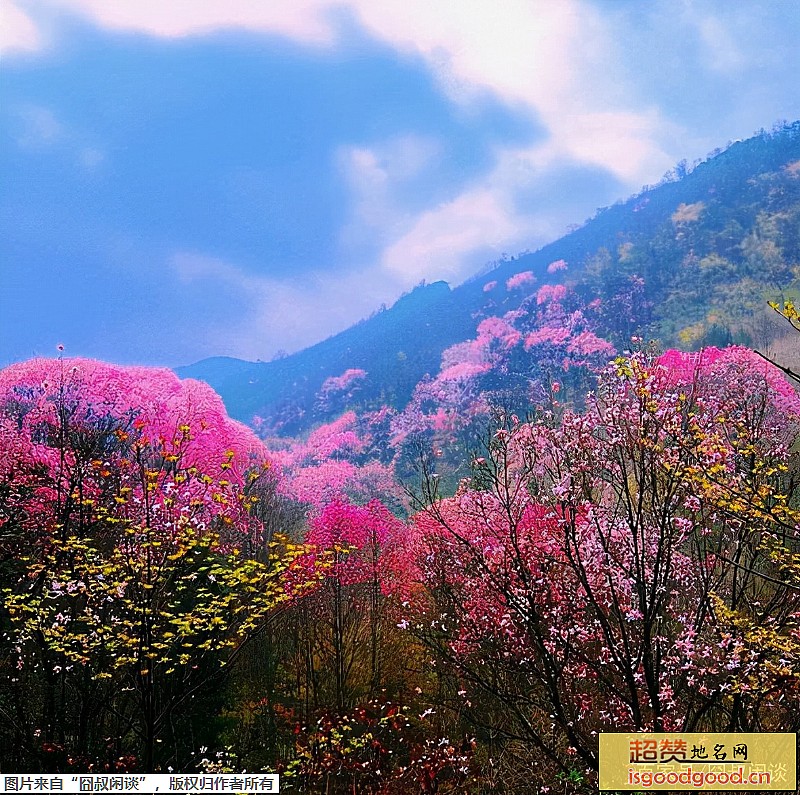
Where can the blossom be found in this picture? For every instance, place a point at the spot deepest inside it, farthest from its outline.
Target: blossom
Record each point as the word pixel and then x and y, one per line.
pixel 520 280
pixel 551 293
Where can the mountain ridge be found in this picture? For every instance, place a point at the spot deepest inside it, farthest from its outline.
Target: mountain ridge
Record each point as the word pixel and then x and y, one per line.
pixel 720 239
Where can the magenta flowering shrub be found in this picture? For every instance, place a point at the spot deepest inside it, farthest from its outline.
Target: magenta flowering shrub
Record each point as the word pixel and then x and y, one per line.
pixel 334 462
pixel 95 427
pixel 626 563
pixel 336 391
pixel 361 536
pixel 593 564
pixel 519 280
pixel 134 562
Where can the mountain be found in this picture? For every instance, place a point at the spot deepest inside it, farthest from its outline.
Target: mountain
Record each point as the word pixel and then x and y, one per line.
pixel 690 261
pixel 395 347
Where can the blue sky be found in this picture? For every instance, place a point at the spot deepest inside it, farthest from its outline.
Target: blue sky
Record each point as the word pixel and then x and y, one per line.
pixel 183 179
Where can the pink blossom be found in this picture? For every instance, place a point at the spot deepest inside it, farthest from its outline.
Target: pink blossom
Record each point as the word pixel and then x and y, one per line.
pixel 364 533
pixel 558 265
pixel 552 335
pixel 327 465
pixel 464 370
pixel 153 434
pixel 162 404
pixel 551 293
pixel 500 329
pixel 520 280
pixel 334 437
pixel 344 381
pixel 588 344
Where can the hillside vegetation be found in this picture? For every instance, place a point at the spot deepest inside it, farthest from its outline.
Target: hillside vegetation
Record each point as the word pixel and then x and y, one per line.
pixel 459 541
pixel 689 262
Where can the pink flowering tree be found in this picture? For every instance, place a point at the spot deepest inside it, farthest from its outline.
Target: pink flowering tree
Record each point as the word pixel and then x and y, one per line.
pixel 560 336
pixel 337 391
pixel 348 636
pixel 134 565
pixel 345 458
pixel 609 571
pixel 625 308
pixel 520 280
pixel 557 266
pixel 446 412
pixel 546 346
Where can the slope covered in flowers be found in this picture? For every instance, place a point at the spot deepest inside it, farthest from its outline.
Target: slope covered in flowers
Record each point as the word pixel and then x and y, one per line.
pixel 402 601
pixel 690 262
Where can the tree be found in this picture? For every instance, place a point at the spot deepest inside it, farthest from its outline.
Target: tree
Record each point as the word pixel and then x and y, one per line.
pixel 631 567
pixel 345 626
pixel 128 548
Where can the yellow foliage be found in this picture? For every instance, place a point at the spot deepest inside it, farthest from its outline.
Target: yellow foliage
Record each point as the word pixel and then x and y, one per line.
pixel 692 334
pixel 688 213
pixel 625 251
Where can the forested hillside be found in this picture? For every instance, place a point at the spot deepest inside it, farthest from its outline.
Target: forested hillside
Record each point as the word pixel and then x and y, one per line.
pixel 453 544
pixel 689 262
pixel 497 474
pixel 179 597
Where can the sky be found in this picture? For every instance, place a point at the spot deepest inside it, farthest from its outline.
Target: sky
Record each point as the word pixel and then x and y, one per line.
pixel 182 178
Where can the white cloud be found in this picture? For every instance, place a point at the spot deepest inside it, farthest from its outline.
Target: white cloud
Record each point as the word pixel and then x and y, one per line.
pixel 519 49
pixel 554 61
pixel 404 157
pixel 303 20
pixel 446 241
pixel 625 143
pixel 374 176
pixel 443 241
pixel 369 183
pixel 91 158
pixel 18 33
pixel 718 48
pixel 273 314
pixel 722 52
pixel 37 127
